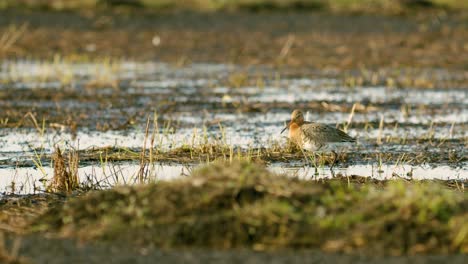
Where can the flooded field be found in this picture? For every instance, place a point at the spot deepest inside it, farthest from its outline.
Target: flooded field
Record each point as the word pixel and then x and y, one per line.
pixel 101 111
pixel 129 134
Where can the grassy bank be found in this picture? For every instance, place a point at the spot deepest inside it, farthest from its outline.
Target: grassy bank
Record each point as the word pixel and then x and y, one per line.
pixel 360 6
pixel 245 206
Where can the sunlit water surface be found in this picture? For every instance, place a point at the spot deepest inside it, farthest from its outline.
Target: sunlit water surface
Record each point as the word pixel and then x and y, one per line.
pixel 205 104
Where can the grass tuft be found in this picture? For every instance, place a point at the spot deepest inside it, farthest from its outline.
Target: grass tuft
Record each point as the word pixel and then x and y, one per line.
pixel 65 172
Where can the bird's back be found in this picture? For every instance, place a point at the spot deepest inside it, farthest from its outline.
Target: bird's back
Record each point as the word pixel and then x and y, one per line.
pixel 323 134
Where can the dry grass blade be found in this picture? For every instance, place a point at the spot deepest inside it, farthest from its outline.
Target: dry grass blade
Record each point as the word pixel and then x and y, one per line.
pixel 39 129
pixel 11 36
pixel 143 163
pixel 287 47
pixel 380 134
pixel 350 118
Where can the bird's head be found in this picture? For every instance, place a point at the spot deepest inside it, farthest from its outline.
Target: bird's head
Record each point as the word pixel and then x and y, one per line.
pixel 296 117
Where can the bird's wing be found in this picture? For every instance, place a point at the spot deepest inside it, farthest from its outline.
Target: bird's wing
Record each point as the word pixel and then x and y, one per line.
pixel 324 133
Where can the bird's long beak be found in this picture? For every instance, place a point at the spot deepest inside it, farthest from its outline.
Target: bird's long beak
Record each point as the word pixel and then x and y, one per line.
pixel 287 126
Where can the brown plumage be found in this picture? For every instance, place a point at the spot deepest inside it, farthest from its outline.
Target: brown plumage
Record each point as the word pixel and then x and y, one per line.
pixel 315 136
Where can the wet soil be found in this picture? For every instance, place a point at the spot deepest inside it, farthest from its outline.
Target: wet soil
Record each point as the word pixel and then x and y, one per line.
pixel 319 40
pixel 37 249
pixel 42 250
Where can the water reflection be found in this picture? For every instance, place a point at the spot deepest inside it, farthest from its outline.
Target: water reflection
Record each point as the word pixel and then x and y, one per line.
pixel 27 180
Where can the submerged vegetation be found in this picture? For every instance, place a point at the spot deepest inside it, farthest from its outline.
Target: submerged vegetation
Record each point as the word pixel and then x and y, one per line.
pixel 244 205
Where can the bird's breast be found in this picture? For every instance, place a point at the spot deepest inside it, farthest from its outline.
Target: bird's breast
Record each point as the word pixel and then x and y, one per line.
pixel 295 133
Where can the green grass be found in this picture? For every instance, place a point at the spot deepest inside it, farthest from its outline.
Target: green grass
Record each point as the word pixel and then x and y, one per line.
pixel 381 6
pixel 243 205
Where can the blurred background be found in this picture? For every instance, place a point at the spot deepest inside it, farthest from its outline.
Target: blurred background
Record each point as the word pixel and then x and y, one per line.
pixel 388 6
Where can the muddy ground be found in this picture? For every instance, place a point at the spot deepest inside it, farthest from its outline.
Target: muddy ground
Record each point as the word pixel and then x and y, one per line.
pixel 320 40
pixel 40 250
pixel 37 249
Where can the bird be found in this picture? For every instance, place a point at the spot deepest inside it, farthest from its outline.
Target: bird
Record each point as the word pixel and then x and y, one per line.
pixel 316 137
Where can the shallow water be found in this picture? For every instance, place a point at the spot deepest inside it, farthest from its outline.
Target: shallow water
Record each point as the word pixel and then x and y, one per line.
pixel 109 103
pixel 27 180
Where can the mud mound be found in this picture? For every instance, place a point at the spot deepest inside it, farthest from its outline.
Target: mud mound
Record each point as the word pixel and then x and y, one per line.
pixel 244 205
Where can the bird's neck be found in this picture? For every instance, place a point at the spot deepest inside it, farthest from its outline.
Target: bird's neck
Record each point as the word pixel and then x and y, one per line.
pixel 298 122
pixel 293 129
pixel 294 125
